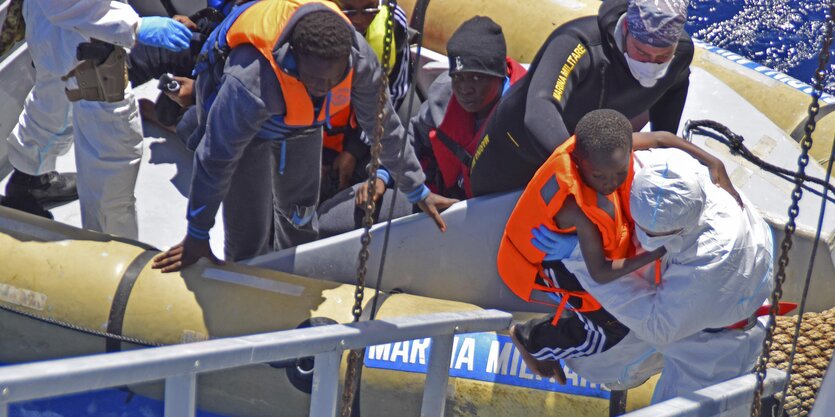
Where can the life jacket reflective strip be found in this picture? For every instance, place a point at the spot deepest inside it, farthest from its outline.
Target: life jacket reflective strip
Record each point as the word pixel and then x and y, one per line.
pixel 519 261
pixel 458 125
pixel 261 25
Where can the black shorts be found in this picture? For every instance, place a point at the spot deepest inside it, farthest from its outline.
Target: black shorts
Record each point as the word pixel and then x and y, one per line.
pixel 576 334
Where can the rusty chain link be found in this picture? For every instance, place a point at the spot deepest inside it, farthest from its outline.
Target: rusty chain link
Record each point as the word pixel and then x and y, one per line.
pixel 794 211
pixel 353 370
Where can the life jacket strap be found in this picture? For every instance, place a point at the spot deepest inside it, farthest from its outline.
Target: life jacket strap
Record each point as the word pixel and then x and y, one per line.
pixel 657 272
pixel 588 303
pixel 783 308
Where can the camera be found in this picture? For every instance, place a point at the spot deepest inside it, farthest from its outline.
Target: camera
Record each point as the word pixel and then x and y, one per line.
pixel 168 83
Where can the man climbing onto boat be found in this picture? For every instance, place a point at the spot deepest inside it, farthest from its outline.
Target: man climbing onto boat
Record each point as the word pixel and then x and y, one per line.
pixel 581 193
pixel 634 57
pixel 82 96
pixel 716 273
pixel 261 112
pixel 446 130
pixel 345 149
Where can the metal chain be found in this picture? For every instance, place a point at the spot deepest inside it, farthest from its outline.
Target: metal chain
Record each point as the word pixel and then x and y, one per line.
pixel 376 148
pixel 794 211
pixel 75 327
pixel 416 24
pixel 353 370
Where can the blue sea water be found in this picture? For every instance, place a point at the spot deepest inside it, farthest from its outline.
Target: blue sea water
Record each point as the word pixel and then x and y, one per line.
pixel 786 35
pixel 105 403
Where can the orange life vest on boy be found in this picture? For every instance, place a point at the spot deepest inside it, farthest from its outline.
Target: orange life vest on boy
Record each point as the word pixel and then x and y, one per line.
pixel 519 261
pixel 261 25
pixel 459 126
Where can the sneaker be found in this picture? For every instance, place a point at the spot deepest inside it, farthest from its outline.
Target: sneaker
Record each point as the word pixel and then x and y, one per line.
pixel 47 190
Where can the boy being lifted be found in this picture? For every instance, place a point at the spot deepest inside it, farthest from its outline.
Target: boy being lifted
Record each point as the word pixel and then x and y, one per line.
pixel 580 194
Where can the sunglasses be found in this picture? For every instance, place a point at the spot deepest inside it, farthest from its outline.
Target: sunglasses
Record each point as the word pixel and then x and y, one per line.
pixel 364 12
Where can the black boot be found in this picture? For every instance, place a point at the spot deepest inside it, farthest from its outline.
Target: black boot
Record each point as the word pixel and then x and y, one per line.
pixel 25 203
pixel 36 193
pixel 48 189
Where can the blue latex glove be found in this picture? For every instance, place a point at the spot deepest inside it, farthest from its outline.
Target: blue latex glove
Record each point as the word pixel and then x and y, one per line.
pixel 555 245
pixel 163 32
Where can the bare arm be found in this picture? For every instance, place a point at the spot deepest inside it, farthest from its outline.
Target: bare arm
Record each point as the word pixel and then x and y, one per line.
pixel 601 269
pixel 648 140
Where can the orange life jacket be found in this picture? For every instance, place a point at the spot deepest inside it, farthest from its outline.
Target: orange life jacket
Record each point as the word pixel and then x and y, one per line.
pixel 261 25
pixel 519 261
pixel 334 136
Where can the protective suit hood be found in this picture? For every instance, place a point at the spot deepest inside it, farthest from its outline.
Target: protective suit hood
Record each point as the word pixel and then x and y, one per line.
pixel 665 200
pixel 667 206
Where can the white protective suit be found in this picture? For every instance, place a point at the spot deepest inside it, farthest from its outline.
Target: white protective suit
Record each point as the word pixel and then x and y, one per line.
pixel 108 136
pixel 717 272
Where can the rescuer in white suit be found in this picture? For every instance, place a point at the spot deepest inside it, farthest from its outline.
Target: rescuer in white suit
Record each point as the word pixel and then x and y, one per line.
pixel 93 105
pixel 717 272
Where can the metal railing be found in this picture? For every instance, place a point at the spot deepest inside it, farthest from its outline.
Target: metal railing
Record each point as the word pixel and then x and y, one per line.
pixel 731 395
pixel 179 365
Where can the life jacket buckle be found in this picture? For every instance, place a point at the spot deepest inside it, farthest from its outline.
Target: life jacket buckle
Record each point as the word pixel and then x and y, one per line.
pixel 221 53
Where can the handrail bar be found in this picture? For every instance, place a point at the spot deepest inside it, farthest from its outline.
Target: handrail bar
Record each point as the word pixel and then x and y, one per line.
pixel 179 364
pixel 734 394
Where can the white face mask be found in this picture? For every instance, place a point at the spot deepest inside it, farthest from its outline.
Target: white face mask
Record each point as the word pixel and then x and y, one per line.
pixel 647 73
pixel 672 242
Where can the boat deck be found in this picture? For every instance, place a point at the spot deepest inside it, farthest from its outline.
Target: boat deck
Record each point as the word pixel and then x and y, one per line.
pixel 161 189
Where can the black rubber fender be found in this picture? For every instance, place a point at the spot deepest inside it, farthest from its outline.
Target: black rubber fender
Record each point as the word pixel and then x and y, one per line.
pixel 300 371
